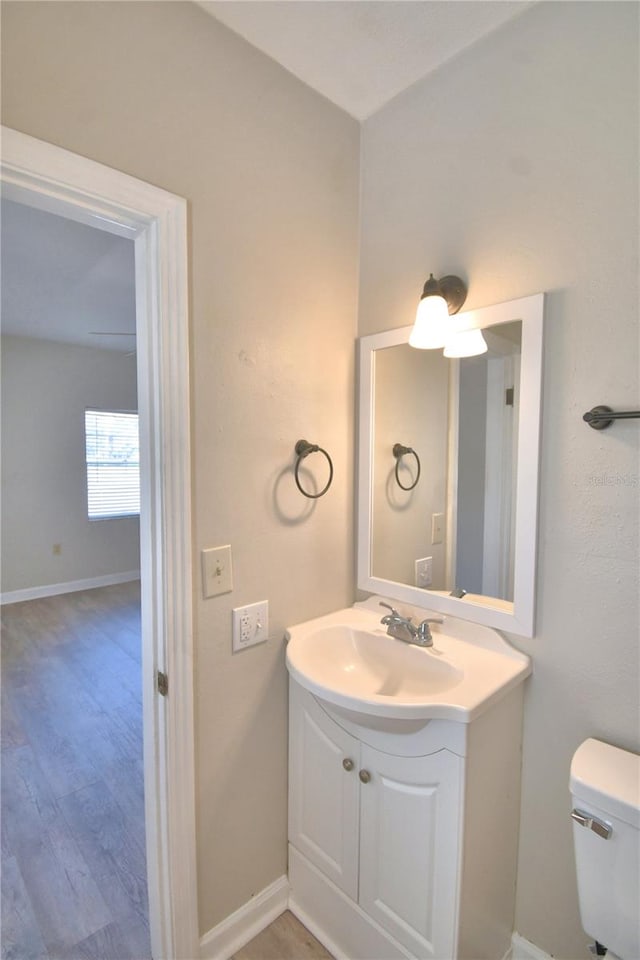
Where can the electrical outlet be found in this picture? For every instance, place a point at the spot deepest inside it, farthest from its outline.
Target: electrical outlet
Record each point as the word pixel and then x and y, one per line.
pixel 423 572
pixel 250 625
pixel 217 574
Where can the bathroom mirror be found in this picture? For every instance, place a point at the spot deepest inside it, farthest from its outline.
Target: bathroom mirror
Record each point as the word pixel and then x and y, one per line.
pixel 459 513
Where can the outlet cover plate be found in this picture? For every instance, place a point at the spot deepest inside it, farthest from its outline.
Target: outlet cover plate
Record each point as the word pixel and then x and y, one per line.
pixel 250 625
pixel 424 572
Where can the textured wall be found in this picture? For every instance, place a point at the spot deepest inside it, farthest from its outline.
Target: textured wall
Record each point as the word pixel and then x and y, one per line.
pixel 516 166
pixel 270 170
pixel 45 390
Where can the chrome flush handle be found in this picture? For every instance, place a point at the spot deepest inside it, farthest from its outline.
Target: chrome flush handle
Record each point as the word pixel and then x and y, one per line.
pixel 599 827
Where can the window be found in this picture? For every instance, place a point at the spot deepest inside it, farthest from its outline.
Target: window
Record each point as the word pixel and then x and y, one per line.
pixel 113 464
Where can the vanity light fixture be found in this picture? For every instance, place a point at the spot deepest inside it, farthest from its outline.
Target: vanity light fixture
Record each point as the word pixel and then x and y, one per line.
pixel 440 300
pixel 465 343
pixel 433 327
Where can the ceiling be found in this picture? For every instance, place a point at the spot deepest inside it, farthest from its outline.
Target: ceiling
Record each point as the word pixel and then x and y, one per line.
pixel 61 280
pixel 362 53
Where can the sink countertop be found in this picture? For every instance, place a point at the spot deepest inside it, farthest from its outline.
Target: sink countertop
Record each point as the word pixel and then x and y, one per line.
pixel 347 660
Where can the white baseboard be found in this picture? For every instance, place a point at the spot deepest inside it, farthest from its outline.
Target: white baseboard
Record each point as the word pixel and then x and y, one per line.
pixel 72 586
pixel 233 933
pixel 522 949
pixel 322 907
pixel 318 932
pixel 248 921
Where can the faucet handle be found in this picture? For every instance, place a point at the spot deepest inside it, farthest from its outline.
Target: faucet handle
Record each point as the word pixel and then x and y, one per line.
pixel 394 612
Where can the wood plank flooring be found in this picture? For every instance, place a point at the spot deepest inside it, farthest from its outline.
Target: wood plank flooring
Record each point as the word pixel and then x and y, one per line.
pixel 72 825
pixel 285 939
pixel 73 855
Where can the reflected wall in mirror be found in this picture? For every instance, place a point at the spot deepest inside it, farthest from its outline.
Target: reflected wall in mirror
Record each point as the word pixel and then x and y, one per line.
pixel 484 456
pixel 460 417
pixel 471 517
pixel 411 403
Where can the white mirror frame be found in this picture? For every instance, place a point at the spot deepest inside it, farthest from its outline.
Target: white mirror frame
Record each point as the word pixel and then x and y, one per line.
pixel 520 621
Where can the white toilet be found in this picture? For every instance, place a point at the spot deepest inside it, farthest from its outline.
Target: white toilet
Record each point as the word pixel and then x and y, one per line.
pixel 605 790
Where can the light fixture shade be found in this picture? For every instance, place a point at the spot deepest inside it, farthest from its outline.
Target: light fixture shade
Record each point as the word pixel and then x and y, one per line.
pixel 465 343
pixel 431 329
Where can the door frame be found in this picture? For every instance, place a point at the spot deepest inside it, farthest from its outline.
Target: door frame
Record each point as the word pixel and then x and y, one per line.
pixel 42 175
pixel 503 372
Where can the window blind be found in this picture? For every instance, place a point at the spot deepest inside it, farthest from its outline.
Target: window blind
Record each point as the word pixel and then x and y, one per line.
pixel 113 464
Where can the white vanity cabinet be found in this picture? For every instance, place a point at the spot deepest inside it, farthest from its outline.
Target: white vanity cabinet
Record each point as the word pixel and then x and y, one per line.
pixel 377 828
pixel 409 814
pixel 382 828
pixel 324 791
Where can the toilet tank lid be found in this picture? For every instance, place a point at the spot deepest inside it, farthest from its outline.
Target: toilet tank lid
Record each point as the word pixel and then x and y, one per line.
pixel 609 778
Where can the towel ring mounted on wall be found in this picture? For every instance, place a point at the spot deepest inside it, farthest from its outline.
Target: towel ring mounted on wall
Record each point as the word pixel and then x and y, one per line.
pixel 303 449
pixel 399 452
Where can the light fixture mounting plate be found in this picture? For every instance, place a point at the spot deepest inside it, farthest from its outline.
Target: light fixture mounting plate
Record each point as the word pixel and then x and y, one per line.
pixel 454 292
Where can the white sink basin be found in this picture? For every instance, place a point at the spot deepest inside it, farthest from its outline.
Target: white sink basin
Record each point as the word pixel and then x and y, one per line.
pixel 347 660
pixel 364 664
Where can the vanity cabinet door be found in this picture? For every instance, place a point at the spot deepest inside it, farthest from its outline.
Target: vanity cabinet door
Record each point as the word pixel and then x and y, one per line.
pixel 409 848
pixel 323 792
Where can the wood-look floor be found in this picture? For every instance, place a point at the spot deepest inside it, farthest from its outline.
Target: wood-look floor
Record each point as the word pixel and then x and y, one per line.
pixel 73 855
pixel 285 939
pixel 73 860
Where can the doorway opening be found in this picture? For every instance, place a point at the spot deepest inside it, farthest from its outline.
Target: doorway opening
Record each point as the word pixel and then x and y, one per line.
pixel 48 178
pixel 72 759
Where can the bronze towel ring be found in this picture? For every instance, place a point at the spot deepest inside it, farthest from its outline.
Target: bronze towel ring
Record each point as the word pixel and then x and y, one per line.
pixel 399 452
pixel 303 449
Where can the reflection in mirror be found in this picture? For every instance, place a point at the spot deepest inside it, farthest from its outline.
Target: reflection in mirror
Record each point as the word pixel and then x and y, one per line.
pixel 461 417
pixel 487 443
pixel 468 524
pixel 411 400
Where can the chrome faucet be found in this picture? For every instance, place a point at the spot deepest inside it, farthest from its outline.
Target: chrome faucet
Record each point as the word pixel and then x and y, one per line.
pixel 403 628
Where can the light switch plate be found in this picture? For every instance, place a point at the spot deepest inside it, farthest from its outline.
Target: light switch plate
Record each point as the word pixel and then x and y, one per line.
pixel 217 575
pixel 437 527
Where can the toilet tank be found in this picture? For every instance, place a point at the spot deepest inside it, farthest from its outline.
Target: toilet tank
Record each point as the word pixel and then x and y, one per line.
pixel 605 790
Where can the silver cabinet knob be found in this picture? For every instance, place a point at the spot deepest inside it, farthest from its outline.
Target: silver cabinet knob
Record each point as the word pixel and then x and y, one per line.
pixel 365 776
pixel 347 764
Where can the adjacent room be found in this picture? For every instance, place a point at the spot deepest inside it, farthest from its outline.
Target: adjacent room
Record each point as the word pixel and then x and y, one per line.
pixel 71 643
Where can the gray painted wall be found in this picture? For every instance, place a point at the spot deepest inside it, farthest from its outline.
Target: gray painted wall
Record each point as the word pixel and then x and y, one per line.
pixel 45 390
pixel 270 170
pixel 516 166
